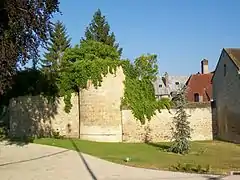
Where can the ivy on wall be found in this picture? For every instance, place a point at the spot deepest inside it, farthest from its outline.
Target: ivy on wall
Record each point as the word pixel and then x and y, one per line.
pixel 139 94
pixel 90 61
pixel 93 60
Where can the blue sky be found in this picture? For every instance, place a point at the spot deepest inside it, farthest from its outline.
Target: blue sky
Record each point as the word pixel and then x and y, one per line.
pixel 180 32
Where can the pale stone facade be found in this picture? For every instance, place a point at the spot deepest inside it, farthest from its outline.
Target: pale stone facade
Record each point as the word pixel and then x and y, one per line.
pixel 226 88
pixel 158 129
pixel 100 109
pixel 100 116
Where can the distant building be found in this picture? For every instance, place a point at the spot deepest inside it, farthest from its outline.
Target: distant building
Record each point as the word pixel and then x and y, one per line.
pixel 226 99
pixel 167 86
pixel 199 87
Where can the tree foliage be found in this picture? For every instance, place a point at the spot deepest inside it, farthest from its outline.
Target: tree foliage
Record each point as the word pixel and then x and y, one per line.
pixel 99 30
pixel 24 26
pixel 92 60
pixel 181 132
pixel 30 82
pixel 59 42
pixel 89 61
pixel 139 93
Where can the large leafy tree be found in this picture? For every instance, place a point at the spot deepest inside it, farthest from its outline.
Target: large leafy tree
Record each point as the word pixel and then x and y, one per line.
pixel 58 43
pixel 146 67
pixel 139 93
pixel 24 26
pixel 99 30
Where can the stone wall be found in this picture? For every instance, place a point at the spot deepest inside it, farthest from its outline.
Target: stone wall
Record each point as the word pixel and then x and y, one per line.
pixel 100 115
pixel 100 109
pixel 35 116
pixel 158 129
pixel 226 88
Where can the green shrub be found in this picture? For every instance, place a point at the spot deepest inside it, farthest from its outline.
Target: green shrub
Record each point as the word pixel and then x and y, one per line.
pixel 190 168
pixel 3 133
pixel 56 135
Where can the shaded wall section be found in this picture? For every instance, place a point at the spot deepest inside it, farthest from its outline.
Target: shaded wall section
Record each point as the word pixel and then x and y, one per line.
pixel 35 116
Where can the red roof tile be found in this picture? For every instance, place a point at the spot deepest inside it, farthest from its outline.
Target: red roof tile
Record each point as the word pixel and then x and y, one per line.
pixel 201 84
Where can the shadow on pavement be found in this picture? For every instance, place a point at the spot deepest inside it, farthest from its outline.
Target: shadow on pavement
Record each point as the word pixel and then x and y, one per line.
pixel 214 178
pixel 17 141
pixel 83 160
pixel 32 159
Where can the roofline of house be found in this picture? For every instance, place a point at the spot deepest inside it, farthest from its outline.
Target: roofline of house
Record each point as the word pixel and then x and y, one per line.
pixel 224 50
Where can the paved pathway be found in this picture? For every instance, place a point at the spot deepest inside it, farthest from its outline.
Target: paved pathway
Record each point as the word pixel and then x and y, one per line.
pixel 39 162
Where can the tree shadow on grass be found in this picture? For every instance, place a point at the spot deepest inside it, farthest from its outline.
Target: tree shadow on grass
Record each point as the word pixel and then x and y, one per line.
pixel 161 147
pixel 83 160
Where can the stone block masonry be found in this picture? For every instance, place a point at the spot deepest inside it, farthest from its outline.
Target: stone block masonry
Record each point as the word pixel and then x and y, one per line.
pixel 34 116
pixel 100 117
pixel 100 109
pixel 158 129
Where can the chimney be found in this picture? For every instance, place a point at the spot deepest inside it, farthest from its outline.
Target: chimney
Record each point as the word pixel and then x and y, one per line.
pixel 204 66
pixel 166 79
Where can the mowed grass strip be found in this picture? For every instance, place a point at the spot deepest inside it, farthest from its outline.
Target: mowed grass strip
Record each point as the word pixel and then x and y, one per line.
pixel 221 156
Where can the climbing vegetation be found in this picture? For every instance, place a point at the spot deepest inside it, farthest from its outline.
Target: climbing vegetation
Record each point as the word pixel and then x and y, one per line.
pixel 88 62
pixel 139 93
pixel 93 60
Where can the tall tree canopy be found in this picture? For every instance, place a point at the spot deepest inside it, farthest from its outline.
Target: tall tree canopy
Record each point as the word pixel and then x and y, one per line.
pixel 58 43
pixel 99 30
pixel 24 26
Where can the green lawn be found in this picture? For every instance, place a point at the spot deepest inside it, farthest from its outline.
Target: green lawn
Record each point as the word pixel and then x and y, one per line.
pixel 221 156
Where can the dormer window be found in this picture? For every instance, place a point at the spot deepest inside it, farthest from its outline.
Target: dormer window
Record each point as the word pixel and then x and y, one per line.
pixel 177 83
pixel 160 85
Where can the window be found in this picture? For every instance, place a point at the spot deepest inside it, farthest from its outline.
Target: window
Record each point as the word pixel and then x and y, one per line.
pixel 177 83
pixel 160 85
pixel 196 97
pixel 225 69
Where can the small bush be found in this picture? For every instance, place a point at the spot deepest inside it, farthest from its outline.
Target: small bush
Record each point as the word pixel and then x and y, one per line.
pixel 56 135
pixel 208 168
pixel 187 167
pixel 3 133
pixel 190 168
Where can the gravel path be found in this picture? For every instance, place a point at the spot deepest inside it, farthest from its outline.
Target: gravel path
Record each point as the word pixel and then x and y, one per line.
pixel 39 162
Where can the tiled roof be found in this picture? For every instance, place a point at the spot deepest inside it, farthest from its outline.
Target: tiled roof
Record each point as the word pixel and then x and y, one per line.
pixel 234 54
pixel 200 83
pixel 162 89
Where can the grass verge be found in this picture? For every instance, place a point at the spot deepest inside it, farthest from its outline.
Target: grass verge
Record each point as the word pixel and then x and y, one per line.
pixel 220 157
